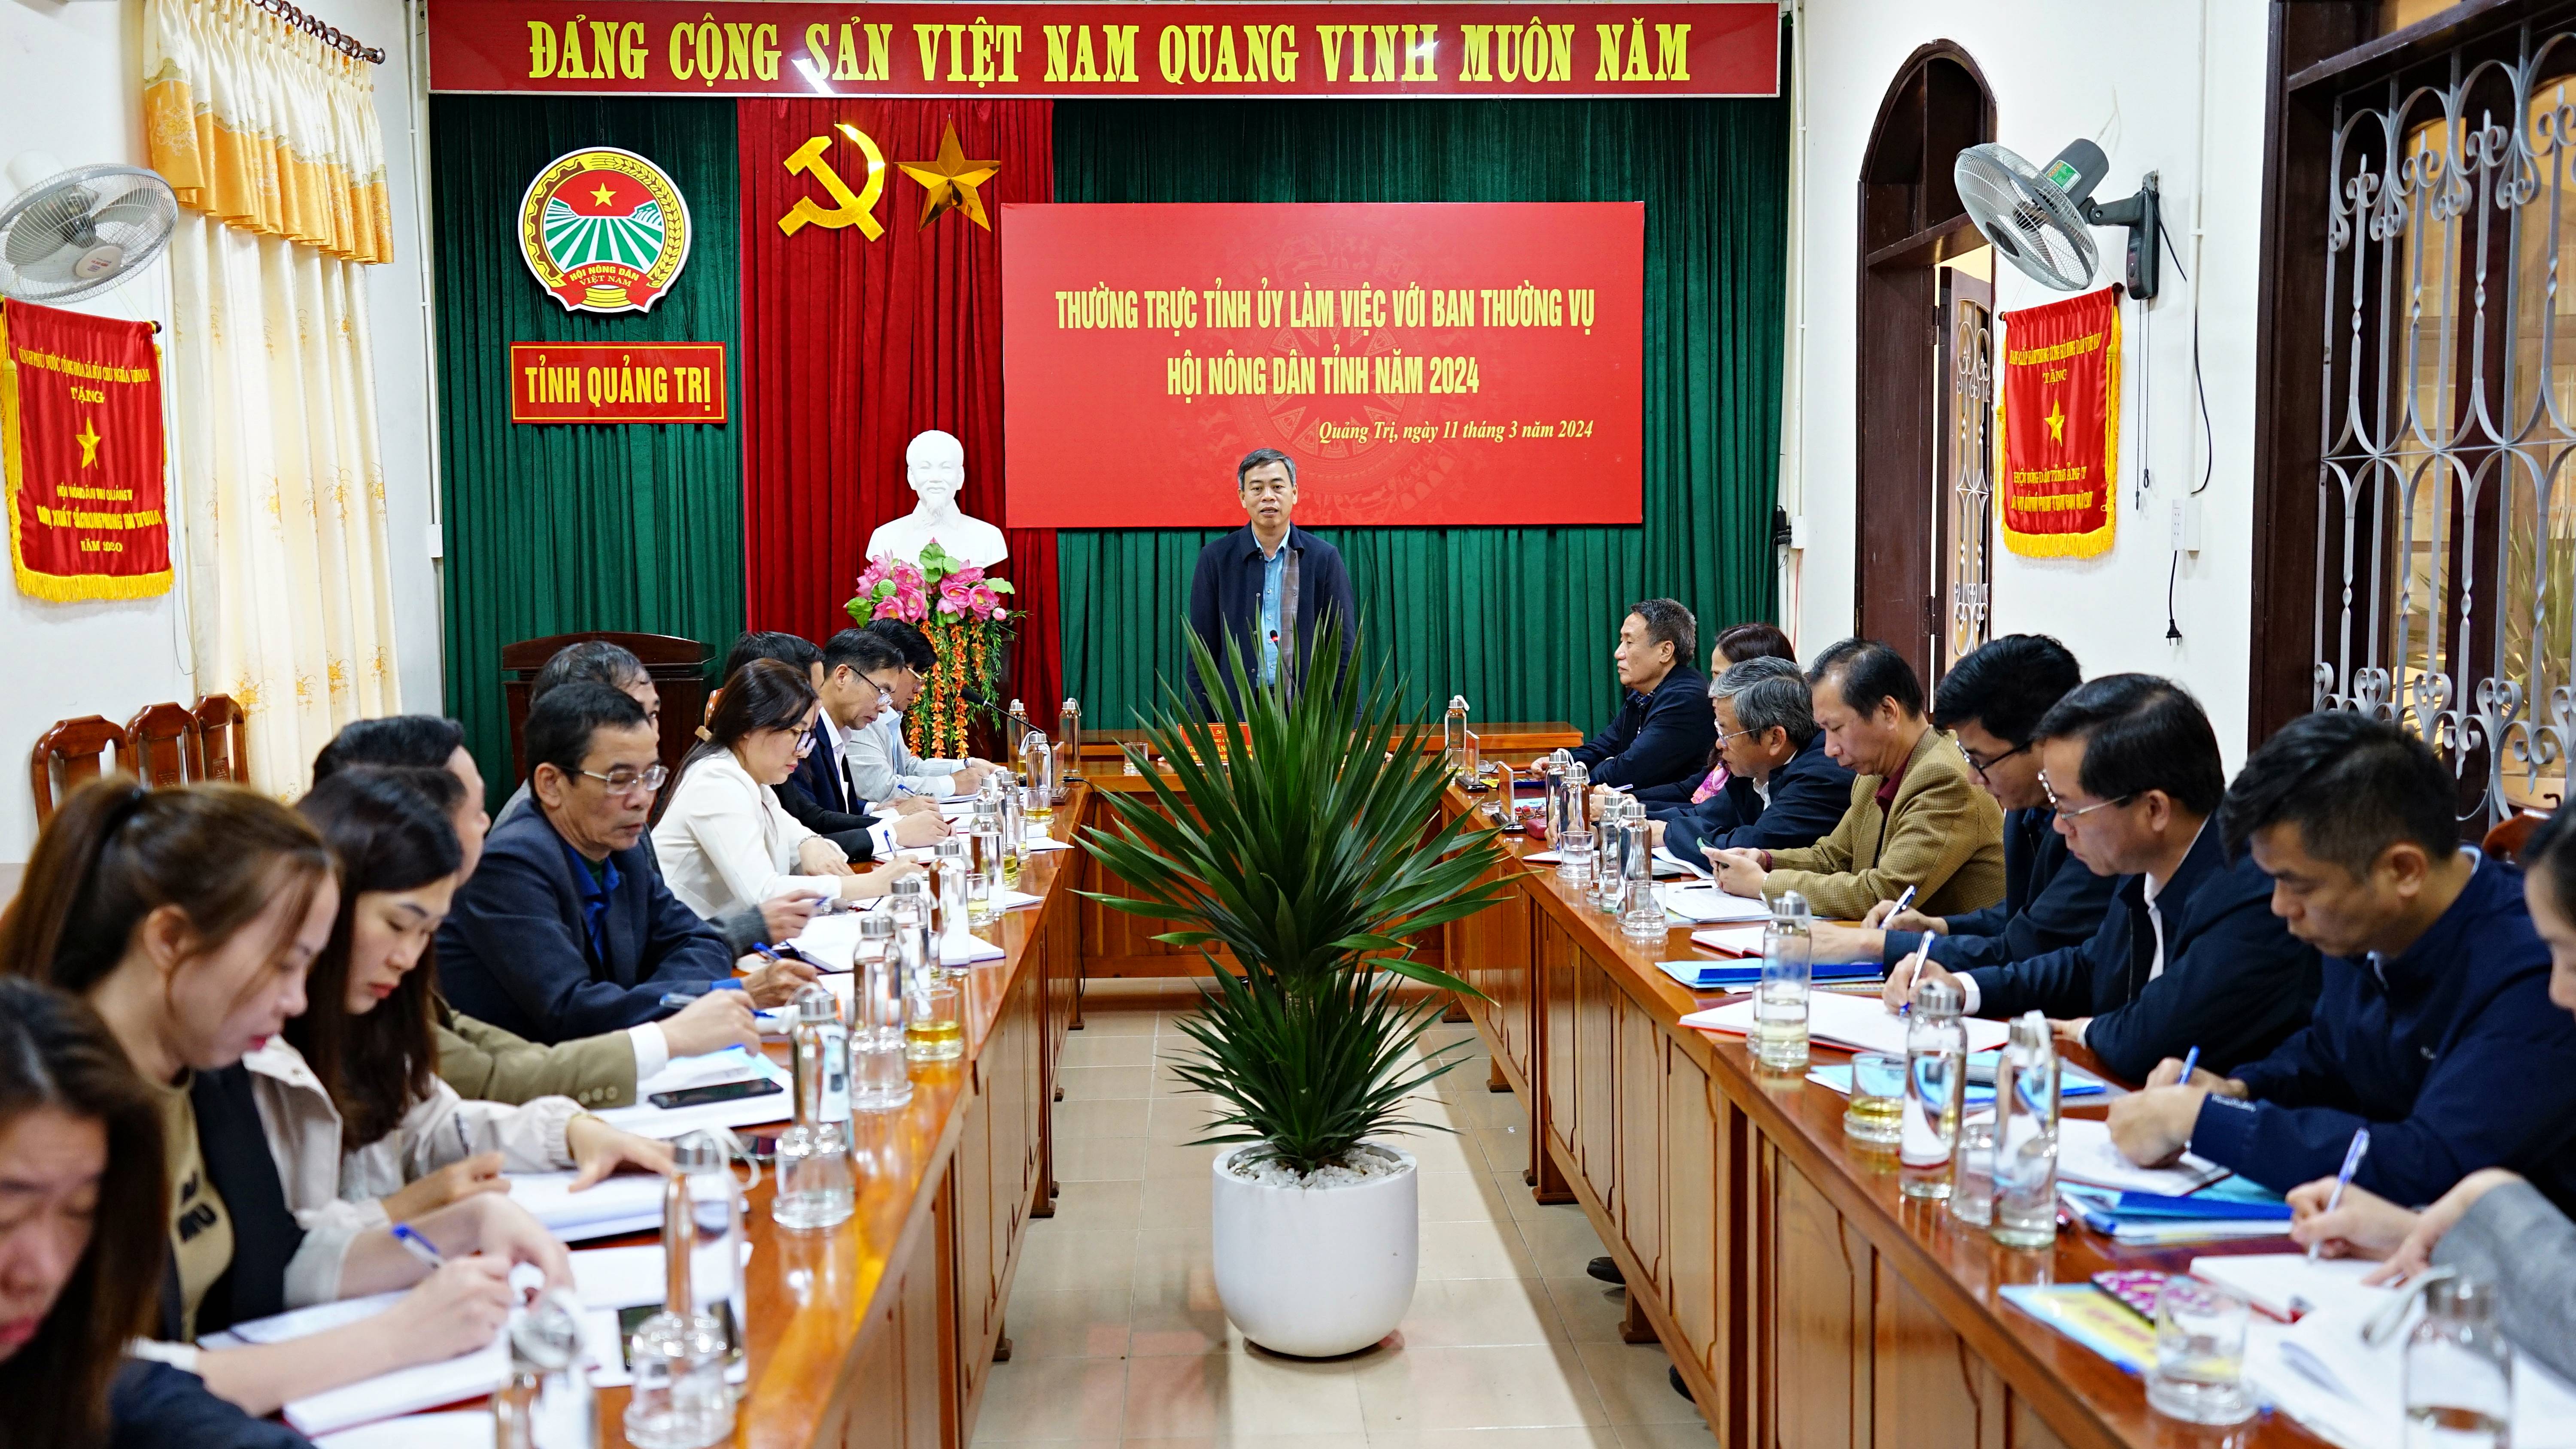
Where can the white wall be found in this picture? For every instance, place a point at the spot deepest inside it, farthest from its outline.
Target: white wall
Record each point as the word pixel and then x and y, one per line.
pixel 2136 78
pixel 71 84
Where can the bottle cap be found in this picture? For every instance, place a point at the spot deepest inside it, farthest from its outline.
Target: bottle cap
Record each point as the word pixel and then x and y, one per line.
pixel 876 926
pixel 1938 998
pixel 698 1152
pixel 1791 906
pixel 911 885
pixel 950 849
pixel 815 1002
pixel 2029 1033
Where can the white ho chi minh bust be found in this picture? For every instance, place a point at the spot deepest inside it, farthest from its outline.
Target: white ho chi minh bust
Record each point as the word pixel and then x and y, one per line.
pixel 935 465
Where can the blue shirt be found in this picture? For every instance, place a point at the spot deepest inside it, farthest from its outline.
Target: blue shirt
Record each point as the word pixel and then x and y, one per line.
pixel 1274 589
pixel 597 883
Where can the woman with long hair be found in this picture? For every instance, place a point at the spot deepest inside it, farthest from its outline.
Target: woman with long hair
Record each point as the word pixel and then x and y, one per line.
pixel 723 840
pixel 361 1125
pixel 187 919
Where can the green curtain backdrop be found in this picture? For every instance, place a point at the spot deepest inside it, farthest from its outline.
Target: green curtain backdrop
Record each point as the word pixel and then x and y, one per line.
pixel 1520 620
pixel 552 529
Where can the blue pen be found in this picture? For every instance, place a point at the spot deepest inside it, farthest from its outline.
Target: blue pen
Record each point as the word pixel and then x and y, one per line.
pixel 2351 1163
pixel 419 1247
pixel 2190 1059
pixel 1904 898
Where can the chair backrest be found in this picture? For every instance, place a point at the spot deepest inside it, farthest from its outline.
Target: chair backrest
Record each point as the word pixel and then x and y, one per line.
pixel 677 667
pixel 223 740
pixel 72 752
pixel 2506 840
pixel 162 746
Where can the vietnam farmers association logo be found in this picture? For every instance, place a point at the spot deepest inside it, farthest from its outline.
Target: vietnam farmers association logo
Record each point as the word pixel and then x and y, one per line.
pixel 604 230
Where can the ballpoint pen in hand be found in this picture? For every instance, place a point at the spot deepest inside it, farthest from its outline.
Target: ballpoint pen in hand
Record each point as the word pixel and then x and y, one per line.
pixel 2351 1163
pixel 419 1247
pixel 2190 1059
pixel 1904 898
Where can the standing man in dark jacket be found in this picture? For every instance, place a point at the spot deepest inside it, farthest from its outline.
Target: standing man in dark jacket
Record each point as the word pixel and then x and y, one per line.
pixel 2188 953
pixel 2434 1029
pixel 1991 702
pixel 1269 586
pixel 1782 789
pixel 1664 730
pixel 566 929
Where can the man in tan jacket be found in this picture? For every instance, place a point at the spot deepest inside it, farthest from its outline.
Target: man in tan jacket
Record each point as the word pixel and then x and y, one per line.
pixel 1917 817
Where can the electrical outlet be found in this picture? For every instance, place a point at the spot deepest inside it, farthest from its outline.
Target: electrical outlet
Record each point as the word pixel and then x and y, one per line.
pixel 2173 527
pixel 2183 528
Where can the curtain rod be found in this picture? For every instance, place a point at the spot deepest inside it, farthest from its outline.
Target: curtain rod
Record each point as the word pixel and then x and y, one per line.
pixel 330 35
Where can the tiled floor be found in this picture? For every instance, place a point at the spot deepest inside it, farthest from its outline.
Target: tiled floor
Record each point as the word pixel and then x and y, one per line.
pixel 1118 1336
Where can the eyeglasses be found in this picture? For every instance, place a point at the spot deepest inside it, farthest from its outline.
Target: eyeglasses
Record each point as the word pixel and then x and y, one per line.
pixel 1982 766
pixel 2078 813
pixel 1737 735
pixel 626 782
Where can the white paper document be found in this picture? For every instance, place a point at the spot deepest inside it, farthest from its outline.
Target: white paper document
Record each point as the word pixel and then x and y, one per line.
pixel 458 1429
pixel 1856 1023
pixel 2286 1285
pixel 967 950
pixel 1703 904
pixel 1665 857
pixel 730 1065
pixel 2085 1154
pixel 1040 842
pixel 2319 1372
pixel 626 1203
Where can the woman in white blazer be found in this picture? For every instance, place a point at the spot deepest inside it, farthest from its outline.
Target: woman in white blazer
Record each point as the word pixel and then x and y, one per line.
pixel 363 1129
pixel 723 840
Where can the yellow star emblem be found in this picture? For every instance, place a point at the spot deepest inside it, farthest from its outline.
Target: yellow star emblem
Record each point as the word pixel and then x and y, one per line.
pixel 951 179
pixel 2056 421
pixel 605 194
pixel 87 437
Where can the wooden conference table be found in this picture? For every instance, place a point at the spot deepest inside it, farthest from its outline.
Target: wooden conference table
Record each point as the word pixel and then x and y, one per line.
pixel 1803 1300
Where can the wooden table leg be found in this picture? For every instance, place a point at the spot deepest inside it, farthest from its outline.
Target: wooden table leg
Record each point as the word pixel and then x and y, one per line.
pixel 1457 1009
pixel 1494 1075
pixel 1633 1324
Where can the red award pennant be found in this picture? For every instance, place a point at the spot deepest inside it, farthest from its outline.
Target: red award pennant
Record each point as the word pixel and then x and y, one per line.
pixel 80 436
pixel 2059 426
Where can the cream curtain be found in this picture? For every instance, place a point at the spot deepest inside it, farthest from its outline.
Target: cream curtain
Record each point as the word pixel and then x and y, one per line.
pixel 282 489
pixel 262 126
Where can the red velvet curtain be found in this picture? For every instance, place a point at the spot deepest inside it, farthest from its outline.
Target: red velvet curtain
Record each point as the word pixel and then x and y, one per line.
pixel 852 346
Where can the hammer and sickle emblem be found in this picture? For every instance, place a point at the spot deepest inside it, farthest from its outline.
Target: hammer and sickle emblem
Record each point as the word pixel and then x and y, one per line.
pixel 849 209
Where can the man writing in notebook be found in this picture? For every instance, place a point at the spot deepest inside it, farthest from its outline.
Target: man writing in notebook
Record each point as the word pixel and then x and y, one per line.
pixel 2434 1027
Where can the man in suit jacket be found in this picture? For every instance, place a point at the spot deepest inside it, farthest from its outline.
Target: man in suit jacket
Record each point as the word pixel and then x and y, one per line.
pixel 2188 953
pixel 1991 702
pixel 1664 730
pixel 861 672
pixel 1781 788
pixel 1269 586
pixel 566 929
pixel 1915 818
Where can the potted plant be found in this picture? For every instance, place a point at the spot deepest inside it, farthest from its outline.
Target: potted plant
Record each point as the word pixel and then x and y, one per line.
pixel 1305 846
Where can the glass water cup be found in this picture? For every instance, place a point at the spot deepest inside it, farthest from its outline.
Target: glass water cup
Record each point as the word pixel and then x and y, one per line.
pixel 1877 1099
pixel 1972 1175
pixel 2199 1372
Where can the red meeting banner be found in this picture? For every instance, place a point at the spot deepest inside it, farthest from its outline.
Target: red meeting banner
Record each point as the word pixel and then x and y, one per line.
pixel 1425 364
pixel 81 449
pixel 1103 51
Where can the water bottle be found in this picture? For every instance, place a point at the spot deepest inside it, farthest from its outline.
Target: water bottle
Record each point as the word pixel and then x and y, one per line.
pixel 1574 839
pixel 704 1163
pixel 1779 1039
pixel 680 1399
pixel 2026 1102
pixel 1609 854
pixel 2459 1370
pixel 1936 1071
pixel 1453 733
pixel 878 1082
pixel 1641 911
pixel 816 1188
pixel 1551 779
pixel 1068 737
pixel 1015 828
pixel 951 864
pixel 932 1028
pixel 1037 765
pixel 985 885
pixel 548 1402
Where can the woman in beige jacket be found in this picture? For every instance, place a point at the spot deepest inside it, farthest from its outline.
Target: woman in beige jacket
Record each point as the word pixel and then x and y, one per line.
pixel 361 1125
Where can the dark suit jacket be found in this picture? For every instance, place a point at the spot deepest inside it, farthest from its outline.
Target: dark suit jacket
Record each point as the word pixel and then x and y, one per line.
pixel 2451 1052
pixel 2051 900
pixel 514 950
pixel 1809 793
pixel 817 797
pixel 1225 602
pixel 2235 984
pixel 1658 738
pixel 154 1406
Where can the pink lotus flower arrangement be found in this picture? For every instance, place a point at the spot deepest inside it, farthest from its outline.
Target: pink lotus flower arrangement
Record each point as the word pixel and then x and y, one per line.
pixel 960 607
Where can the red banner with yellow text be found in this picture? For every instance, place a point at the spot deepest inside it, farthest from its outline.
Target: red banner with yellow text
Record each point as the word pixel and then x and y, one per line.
pixel 602 382
pixel 1103 51
pixel 2059 426
pixel 1424 364
pixel 80 438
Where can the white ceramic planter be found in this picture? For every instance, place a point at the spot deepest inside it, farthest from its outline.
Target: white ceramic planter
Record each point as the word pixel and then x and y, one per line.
pixel 1315 1272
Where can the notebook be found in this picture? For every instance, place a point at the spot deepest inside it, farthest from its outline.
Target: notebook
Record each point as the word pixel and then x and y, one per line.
pixel 2085 1154
pixel 1856 1023
pixel 626 1203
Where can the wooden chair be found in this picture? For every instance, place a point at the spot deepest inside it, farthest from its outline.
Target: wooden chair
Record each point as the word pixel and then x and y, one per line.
pixel 163 746
pixel 68 755
pixel 2506 840
pixel 223 740
pixel 677 667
